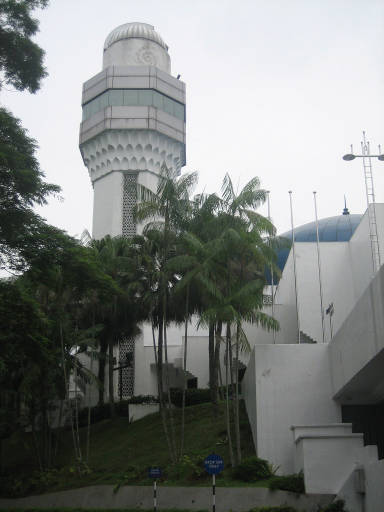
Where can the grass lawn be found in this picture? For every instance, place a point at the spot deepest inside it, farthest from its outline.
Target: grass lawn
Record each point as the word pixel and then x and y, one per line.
pixel 121 452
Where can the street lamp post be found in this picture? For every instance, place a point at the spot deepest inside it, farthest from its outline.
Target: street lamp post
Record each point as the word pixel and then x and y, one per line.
pixel 370 193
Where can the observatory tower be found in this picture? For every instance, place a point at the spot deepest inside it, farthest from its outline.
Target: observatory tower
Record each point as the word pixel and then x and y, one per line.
pixel 133 122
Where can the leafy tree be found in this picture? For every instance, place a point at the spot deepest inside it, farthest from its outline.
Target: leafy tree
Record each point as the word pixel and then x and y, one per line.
pixel 22 340
pixel 21 60
pixel 21 187
pixel 121 312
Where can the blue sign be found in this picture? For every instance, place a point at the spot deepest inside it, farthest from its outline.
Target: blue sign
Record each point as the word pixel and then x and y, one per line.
pixel 154 472
pixel 214 464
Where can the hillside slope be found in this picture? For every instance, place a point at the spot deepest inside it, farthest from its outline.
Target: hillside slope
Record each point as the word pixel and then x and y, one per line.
pixel 121 452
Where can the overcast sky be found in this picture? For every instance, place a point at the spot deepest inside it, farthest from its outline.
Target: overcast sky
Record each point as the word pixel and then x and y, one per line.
pixel 275 88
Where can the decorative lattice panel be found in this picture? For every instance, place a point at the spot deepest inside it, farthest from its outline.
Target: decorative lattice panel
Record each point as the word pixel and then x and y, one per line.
pixel 127 360
pixel 129 203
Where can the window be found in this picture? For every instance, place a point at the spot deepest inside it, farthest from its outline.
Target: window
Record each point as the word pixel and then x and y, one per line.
pixel 133 97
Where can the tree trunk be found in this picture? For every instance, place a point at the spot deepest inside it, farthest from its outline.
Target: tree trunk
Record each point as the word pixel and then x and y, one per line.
pixel 159 372
pixel 211 352
pixel 228 417
pixel 236 402
pixel 89 413
pixel 218 381
pixel 77 416
pixel 110 378
pixel 160 363
pixel 170 409
pixel 66 384
pixel 184 372
pixel 59 428
pixel 101 370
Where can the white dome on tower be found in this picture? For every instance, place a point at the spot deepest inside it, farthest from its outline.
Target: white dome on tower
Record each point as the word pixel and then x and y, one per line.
pixel 136 44
pixel 134 30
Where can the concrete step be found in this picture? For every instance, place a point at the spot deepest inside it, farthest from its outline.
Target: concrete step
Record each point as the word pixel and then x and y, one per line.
pixel 328 429
pixel 371 453
pixel 327 454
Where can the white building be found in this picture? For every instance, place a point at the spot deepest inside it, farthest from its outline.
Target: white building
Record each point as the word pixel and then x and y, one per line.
pixel 319 407
pixel 133 122
pixel 314 391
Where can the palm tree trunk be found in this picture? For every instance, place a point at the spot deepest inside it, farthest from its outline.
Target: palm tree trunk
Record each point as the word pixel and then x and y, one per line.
pixel 218 381
pixel 110 378
pixel 101 370
pixel 211 352
pixel 59 428
pixel 185 372
pixel 230 353
pixel 236 401
pixel 159 372
pixel 77 416
pixel 66 384
pixel 160 363
pixel 170 408
pixel 89 412
pixel 228 418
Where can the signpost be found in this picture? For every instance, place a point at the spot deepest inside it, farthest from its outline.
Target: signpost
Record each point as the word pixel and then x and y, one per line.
pixel 214 465
pixel 154 473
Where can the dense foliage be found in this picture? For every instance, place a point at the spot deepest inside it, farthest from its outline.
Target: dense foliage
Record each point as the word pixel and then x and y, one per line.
pixel 21 60
pixel 336 506
pixel 292 483
pixel 252 469
pixel 23 234
pixel 192 397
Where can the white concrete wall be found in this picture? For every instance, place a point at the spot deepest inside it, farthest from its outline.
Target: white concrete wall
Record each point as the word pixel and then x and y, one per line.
pixel 292 388
pixel 360 247
pixel 138 411
pixel 374 477
pixel 248 388
pixel 107 205
pixel 337 288
pixel 359 341
pixel 346 272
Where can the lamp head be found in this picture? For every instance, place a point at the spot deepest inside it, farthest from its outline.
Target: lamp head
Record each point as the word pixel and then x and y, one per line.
pixel 349 157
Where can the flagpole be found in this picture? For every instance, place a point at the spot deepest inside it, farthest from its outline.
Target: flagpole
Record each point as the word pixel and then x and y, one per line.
pixel 294 267
pixel 271 269
pixel 319 267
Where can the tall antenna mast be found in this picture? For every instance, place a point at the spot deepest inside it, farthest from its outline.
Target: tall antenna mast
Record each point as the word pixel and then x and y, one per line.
pixel 370 193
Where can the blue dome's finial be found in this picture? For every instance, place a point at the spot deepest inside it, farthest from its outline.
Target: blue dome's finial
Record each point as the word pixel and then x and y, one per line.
pixel 345 211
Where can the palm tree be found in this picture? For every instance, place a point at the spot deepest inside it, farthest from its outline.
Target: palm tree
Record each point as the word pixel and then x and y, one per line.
pixel 116 313
pixel 246 236
pixel 167 211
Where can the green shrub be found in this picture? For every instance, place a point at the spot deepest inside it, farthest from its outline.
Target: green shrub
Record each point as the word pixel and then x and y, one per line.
pixel 192 396
pixel 336 506
pixel 143 399
pixel 188 468
pixel 252 469
pixel 103 411
pixel 293 483
pixel 131 475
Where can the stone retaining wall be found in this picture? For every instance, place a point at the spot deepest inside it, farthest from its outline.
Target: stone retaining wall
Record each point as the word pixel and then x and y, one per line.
pixel 235 499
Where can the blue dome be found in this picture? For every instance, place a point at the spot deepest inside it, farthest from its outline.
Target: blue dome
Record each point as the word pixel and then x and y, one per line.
pixel 331 229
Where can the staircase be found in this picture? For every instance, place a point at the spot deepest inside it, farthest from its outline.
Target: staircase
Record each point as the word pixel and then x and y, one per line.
pixel 329 454
pixel 305 338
